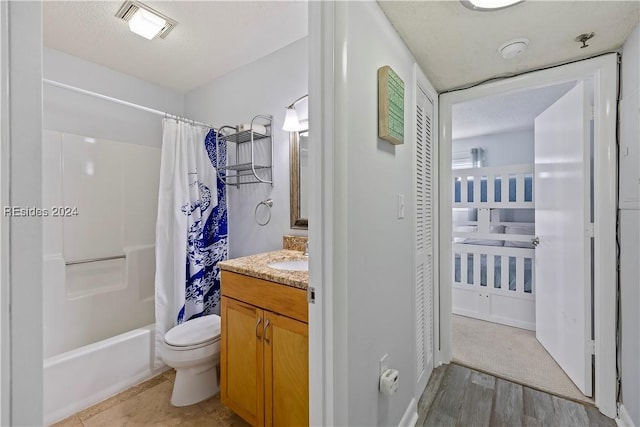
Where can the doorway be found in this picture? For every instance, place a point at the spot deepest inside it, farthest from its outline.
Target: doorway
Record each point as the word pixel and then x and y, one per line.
pixel 505 292
pixel 511 273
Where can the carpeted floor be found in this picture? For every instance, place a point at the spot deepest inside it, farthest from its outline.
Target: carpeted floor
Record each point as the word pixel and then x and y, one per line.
pixel 510 353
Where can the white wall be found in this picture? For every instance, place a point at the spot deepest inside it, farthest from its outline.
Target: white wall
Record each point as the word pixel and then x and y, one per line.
pixel 501 149
pixel 372 253
pixel 630 224
pixel 79 114
pixel 629 146
pixel 265 86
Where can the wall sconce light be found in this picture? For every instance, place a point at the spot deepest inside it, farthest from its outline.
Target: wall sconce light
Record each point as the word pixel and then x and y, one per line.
pixel 291 120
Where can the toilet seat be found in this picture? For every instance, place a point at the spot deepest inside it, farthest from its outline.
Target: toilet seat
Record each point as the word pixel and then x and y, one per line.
pixel 191 347
pixel 193 334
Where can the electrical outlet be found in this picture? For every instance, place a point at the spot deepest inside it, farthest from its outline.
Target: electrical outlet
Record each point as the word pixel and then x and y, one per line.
pixel 384 364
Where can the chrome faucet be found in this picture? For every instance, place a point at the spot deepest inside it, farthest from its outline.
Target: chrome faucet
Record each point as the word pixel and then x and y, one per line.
pixel 306 248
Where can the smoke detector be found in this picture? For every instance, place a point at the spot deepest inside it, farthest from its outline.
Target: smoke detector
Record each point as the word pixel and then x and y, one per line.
pixel 513 48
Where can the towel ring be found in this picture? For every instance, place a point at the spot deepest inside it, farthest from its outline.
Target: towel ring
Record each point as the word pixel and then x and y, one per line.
pixel 268 204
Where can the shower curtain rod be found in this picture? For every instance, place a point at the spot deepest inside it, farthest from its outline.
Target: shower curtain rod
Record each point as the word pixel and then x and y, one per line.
pixel 127 103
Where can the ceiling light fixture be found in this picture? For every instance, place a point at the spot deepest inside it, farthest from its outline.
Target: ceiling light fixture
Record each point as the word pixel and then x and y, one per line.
pixel 486 5
pixel 146 24
pixel 145 21
pixel 513 48
pixel 291 120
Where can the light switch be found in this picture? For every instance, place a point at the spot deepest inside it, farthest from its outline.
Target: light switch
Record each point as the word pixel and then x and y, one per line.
pixel 400 206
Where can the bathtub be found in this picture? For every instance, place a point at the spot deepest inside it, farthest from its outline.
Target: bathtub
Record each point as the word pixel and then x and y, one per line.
pixel 79 378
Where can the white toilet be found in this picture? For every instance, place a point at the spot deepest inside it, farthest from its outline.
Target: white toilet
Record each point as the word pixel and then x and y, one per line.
pixel 193 349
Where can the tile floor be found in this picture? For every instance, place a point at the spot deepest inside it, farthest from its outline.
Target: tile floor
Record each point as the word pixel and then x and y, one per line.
pixel 147 404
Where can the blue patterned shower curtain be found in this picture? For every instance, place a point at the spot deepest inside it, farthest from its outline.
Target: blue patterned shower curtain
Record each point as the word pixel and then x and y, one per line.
pixel 191 228
pixel 207 242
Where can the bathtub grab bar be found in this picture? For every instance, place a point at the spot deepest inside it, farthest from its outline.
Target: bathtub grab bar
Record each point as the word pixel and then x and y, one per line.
pixel 106 258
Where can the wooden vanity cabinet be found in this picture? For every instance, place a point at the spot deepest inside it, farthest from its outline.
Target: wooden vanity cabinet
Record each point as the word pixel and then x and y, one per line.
pixel 264 365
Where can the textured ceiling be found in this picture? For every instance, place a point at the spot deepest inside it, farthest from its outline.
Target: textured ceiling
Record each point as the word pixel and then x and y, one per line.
pixel 211 39
pixel 456 46
pixel 503 113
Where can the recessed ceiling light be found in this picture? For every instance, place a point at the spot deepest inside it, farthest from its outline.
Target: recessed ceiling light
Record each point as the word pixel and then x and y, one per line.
pixel 485 5
pixel 513 48
pixel 145 21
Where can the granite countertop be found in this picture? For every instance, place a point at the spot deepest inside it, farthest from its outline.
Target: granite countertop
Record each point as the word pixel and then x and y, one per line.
pixel 256 266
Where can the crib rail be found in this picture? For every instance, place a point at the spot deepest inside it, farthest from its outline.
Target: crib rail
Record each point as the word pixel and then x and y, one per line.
pixel 494 269
pixel 493 187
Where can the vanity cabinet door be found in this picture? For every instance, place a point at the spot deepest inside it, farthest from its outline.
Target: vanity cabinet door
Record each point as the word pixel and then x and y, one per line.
pixel 286 364
pixel 241 367
pixel 264 351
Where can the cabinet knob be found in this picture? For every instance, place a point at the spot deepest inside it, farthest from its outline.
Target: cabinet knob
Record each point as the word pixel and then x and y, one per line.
pixel 257 329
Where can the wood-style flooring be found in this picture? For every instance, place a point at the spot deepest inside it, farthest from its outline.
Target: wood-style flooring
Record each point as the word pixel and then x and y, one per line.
pixel 459 396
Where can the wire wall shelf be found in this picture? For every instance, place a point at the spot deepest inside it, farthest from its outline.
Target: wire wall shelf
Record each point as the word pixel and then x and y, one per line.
pixel 250 146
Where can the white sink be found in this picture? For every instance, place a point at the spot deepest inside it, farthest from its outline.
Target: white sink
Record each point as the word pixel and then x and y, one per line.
pixel 292 265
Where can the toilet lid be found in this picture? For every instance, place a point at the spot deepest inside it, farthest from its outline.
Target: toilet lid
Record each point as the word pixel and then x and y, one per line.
pixel 194 332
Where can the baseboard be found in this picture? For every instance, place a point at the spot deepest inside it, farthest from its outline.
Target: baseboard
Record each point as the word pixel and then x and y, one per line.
pixel 410 416
pixel 624 419
pixel 516 323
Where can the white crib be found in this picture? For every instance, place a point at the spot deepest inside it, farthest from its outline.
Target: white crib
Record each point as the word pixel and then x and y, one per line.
pixel 493 260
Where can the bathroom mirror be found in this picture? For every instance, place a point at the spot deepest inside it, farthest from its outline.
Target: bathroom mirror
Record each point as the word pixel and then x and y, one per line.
pixel 299 169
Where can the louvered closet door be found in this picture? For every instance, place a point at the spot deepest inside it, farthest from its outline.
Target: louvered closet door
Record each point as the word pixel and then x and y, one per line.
pixel 424 241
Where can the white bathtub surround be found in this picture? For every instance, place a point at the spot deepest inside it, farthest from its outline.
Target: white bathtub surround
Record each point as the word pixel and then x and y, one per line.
pixel 113 185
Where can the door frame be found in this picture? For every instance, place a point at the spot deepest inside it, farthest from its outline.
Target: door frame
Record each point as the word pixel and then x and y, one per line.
pixel 21 186
pixel 603 71
pixel 5 332
pixel 323 96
